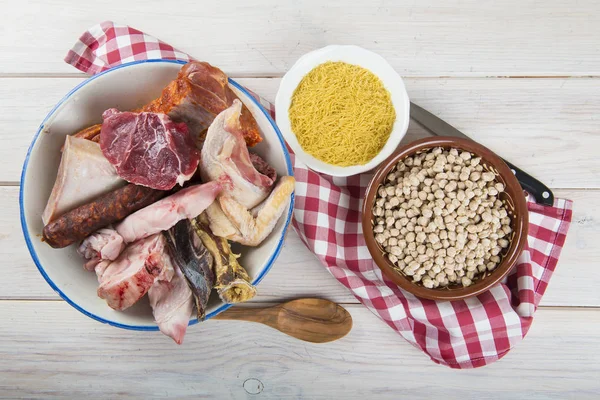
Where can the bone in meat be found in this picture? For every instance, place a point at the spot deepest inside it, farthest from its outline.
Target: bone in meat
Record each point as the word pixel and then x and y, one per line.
pixel 125 280
pixel 162 215
pixel 104 244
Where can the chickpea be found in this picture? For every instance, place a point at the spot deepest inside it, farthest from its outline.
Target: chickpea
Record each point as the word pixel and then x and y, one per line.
pixel 427 282
pixel 438 218
pixel 488 176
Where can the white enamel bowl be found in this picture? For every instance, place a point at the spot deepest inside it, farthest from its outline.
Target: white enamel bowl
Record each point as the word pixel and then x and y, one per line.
pixel 352 55
pixel 125 87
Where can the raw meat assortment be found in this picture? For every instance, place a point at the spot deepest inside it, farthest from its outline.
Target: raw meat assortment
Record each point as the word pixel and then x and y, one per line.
pixel 105 244
pixel 162 215
pixel 172 303
pixel 199 93
pixel 194 260
pixel 140 238
pixel 148 149
pixel 128 278
pixel 84 174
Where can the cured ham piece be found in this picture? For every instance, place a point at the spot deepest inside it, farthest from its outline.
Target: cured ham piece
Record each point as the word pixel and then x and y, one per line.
pixel 105 244
pixel 172 303
pixel 84 174
pixel 148 149
pixel 126 279
pixel 197 96
pixel 225 158
pixel 162 215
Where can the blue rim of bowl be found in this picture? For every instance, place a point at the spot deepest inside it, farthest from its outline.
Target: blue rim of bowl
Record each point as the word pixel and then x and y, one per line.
pixel 25 229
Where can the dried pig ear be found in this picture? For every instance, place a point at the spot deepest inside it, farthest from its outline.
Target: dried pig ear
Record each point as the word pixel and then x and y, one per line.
pixel 232 281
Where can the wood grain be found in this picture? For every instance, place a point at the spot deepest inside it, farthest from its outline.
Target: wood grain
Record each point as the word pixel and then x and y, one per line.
pixel 548 127
pixel 431 38
pixel 310 319
pixel 42 357
pixel 298 273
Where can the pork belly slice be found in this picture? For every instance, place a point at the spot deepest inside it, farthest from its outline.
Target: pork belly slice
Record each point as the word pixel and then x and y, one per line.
pixel 128 278
pixel 83 174
pixel 172 303
pixel 164 214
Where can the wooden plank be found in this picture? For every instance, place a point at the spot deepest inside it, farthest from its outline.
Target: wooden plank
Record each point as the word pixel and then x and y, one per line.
pixel 547 127
pixel 298 273
pixel 266 37
pixel 50 350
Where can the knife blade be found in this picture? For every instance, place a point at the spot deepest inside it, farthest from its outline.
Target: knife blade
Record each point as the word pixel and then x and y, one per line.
pixel 541 193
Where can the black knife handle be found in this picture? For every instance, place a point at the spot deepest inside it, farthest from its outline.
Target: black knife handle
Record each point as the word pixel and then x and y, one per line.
pixel 541 193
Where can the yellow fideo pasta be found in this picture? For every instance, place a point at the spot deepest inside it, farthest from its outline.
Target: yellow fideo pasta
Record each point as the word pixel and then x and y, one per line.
pixel 342 114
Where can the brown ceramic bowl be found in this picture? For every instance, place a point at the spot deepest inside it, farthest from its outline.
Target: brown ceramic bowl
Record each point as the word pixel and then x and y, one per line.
pixel 513 197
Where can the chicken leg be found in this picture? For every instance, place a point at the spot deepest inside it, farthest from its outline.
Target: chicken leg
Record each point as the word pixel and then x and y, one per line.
pixel 254 229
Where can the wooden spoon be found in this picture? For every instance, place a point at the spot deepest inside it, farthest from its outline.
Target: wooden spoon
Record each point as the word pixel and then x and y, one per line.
pixel 312 320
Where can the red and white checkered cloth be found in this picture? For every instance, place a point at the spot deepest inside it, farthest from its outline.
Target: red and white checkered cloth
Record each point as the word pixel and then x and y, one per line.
pixel 459 334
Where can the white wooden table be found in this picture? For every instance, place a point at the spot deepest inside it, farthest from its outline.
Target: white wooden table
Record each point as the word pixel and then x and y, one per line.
pixel 521 77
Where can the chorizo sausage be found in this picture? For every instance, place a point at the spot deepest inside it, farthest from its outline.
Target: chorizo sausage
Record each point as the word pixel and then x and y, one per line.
pixel 109 208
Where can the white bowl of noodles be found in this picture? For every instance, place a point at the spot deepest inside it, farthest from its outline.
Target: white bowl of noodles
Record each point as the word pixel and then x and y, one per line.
pixel 363 147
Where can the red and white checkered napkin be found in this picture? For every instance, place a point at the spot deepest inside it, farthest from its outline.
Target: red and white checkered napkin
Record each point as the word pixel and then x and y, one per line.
pixel 460 334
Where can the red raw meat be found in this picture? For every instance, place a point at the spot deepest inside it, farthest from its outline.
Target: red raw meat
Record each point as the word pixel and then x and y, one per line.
pixel 148 149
